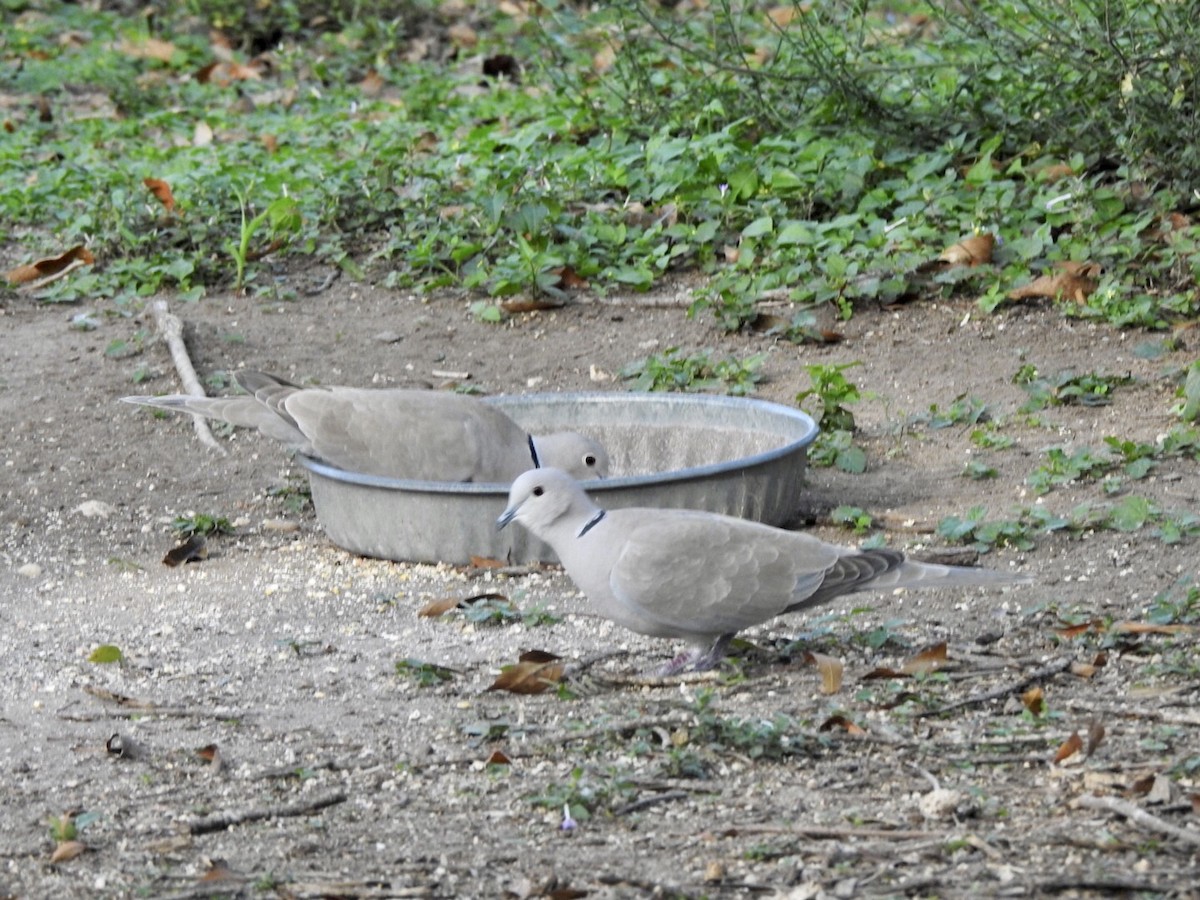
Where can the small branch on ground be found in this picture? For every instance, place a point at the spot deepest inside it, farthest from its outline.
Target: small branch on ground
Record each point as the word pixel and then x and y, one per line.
pixel 1139 817
pixel 171 330
pixel 221 821
pixel 1049 670
pixel 644 802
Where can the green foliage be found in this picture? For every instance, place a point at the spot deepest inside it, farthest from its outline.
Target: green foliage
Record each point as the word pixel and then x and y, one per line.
pixel 819 163
pixel 1168 608
pixel 834 392
pixel 425 674
pixel 672 370
pixel 852 517
pixel 1189 409
pixel 978 471
pixel 837 448
pixel 1066 387
pixel 186 526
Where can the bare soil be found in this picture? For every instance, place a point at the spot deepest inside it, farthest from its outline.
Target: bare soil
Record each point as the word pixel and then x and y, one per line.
pixel 334 776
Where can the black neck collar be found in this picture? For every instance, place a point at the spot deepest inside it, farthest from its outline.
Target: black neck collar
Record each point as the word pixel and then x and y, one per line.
pixel 592 523
pixel 537 463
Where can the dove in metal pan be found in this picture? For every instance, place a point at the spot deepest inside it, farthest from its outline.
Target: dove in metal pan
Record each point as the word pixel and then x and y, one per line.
pixel 702 577
pixel 393 432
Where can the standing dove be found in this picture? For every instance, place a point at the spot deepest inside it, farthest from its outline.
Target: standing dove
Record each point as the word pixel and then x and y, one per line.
pixel 394 433
pixel 699 576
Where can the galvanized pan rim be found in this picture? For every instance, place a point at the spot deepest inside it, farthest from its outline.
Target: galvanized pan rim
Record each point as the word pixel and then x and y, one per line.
pixel 600 486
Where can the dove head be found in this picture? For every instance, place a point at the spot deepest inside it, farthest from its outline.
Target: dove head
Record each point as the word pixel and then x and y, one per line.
pixel 578 456
pixel 544 500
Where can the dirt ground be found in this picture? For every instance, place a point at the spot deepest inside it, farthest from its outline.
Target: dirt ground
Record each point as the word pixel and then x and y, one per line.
pixel 335 776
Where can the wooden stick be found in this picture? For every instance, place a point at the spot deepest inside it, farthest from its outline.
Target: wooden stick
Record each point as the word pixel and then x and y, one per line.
pixel 1139 817
pixel 1054 667
pixel 221 821
pixel 171 329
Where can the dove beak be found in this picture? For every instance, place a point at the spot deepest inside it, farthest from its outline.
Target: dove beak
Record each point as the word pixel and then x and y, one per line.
pixel 507 516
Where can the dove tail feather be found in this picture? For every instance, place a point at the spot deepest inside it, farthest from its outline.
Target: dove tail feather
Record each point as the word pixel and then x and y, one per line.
pixel 881 569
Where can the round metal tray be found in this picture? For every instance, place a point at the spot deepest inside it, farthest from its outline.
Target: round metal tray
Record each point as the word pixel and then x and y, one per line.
pixel 723 454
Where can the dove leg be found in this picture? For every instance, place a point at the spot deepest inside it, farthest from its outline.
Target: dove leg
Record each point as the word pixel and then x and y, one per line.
pixel 698 660
pixel 713 655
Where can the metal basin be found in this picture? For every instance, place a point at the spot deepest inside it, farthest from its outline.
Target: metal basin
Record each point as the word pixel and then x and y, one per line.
pixel 740 457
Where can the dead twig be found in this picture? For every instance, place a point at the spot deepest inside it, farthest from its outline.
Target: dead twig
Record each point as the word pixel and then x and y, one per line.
pixel 1139 817
pixel 171 330
pixel 1154 715
pixel 644 802
pixel 221 821
pixel 817 833
pixel 1049 670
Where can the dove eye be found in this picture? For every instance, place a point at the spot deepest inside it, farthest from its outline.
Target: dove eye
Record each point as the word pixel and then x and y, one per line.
pixel 589 460
pixel 538 491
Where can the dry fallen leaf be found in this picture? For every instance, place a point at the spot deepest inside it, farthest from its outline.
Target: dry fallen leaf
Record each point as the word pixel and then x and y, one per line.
pixel 973 251
pixel 1069 747
pixel 530 304
pixel 1055 172
pixel 53 266
pixel 1082 669
pixel 208 753
pixel 194 549
pixel 498 758
pixel 218 870
pixel 1074 631
pixel 830 668
pixel 487 562
pixel 928 660
pixel 67 850
pixel 1071 280
pixel 1094 736
pixel 1034 700
pixel 148 48
pixel 536 673
pixel 443 606
pixel 840 721
pixel 372 83
pixel 161 190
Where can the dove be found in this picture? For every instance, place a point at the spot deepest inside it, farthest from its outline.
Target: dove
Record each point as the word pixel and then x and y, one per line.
pixel 392 432
pixel 701 577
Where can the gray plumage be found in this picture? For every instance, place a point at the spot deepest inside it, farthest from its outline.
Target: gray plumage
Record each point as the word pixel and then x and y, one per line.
pixel 391 432
pixel 699 576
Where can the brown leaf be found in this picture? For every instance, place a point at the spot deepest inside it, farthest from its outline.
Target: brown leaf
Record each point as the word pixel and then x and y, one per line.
pixel 67 850
pixel 194 549
pixel 498 758
pixel 218 870
pixel 1069 747
pixel 443 606
pixel 840 721
pixel 1094 736
pixel 1149 628
pixel 1141 786
pixel 1071 280
pixel 884 672
pixel 782 16
pixel 570 280
pixel 538 656
pixel 487 562
pixel 208 752
pixel 372 83
pixel 225 72
pixel 530 304
pixel 534 674
pixel 831 670
pixel 148 48
pixel 1034 700
pixel 162 191
pixel 1082 669
pixel 1101 659
pixel 1074 631
pixel 1055 172
pixel 604 58
pixel 462 35
pixel 928 660
pixel 1194 799
pixel 51 266
pixel 973 251
pixel 270 142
